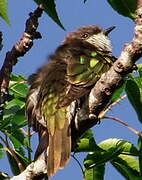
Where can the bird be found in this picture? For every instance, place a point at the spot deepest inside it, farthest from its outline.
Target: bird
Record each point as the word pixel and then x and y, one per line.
pixel 69 75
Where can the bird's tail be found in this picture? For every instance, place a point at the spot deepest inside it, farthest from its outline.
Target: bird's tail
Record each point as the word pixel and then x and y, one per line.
pixel 59 149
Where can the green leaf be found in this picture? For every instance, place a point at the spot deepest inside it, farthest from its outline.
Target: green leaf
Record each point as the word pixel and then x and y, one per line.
pixel 13 164
pixel 110 149
pixel 134 96
pixel 50 9
pixel 19 90
pixel 15 102
pixel 128 166
pixel 96 173
pixel 14 79
pixel 18 139
pixel 124 7
pixel 4 123
pixel 1 151
pixel 114 144
pixel 140 69
pixel 87 143
pixel 21 154
pixel 3 10
pixel 19 119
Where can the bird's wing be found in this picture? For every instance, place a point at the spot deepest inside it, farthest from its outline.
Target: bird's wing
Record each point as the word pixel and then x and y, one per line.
pixel 82 73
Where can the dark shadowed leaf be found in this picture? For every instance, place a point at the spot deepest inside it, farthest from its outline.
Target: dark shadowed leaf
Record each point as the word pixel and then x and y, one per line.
pixel 3 10
pixel 124 7
pixel 95 173
pixel 16 162
pixel 19 119
pixel 140 69
pixel 134 96
pixel 17 137
pixel 128 166
pixel 50 9
pixel 4 123
pixel 140 153
pixel 13 164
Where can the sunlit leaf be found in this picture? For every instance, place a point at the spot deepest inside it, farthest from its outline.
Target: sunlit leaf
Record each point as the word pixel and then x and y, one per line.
pixel 95 173
pixel 3 10
pixel 15 102
pixel 114 144
pixel 19 90
pixel 128 166
pixel 111 148
pixel 87 143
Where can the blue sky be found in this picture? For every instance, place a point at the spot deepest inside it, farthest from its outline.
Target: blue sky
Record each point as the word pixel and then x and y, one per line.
pixel 73 14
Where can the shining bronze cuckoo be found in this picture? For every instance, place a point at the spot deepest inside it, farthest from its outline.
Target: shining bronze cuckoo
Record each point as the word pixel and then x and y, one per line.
pixel 69 74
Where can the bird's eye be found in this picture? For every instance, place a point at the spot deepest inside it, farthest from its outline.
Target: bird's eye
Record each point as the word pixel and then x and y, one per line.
pixel 84 36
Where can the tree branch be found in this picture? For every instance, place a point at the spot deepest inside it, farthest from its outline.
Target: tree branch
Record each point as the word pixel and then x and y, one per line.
pixel 111 80
pixel 19 49
pixel 100 94
pixel 34 171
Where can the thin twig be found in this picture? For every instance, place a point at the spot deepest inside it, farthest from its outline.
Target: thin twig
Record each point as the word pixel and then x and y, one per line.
pixel 78 163
pixel 102 114
pixel 124 123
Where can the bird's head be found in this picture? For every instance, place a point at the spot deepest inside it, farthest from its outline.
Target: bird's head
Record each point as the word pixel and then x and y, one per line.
pixel 91 35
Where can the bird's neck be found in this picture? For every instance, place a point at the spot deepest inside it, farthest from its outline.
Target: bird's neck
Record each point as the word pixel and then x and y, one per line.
pixel 78 48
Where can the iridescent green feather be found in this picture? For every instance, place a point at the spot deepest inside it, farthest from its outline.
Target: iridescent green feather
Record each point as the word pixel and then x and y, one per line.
pixel 87 70
pixel 55 117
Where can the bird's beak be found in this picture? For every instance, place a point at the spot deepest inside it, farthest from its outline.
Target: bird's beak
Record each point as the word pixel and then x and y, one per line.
pixel 108 30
